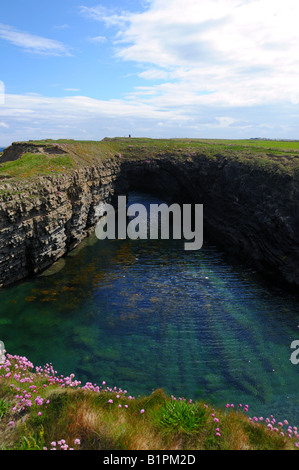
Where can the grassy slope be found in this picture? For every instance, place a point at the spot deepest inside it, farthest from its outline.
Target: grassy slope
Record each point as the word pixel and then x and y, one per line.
pixel 38 407
pixel 273 156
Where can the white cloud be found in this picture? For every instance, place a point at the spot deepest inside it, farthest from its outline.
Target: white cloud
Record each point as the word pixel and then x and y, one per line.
pixel 101 13
pixel 98 39
pixel 155 74
pixel 2 92
pixel 33 116
pixel 32 43
pixel 225 52
pixel 225 121
pixel 225 68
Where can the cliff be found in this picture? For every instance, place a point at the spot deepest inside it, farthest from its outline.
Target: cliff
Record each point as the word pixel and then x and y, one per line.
pixel 49 192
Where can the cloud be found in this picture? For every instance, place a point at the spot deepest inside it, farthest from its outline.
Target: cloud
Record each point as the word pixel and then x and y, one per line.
pixel 34 116
pixel 33 43
pixel 225 68
pixel 98 39
pixel 101 13
pixel 2 92
pixel 225 121
pixel 61 26
pixel 227 52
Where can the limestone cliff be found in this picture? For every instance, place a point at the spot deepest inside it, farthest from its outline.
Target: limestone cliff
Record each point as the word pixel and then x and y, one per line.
pixel 249 211
pixel 45 218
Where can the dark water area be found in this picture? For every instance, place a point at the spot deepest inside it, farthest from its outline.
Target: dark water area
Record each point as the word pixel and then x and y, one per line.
pixel 146 314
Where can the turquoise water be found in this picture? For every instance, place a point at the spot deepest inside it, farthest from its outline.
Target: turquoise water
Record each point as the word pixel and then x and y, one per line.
pixel 147 314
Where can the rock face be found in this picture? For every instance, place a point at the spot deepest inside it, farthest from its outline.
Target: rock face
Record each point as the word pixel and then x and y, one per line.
pixel 251 214
pixel 49 219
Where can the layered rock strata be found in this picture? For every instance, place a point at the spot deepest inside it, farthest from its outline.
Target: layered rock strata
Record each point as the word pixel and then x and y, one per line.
pixel 249 212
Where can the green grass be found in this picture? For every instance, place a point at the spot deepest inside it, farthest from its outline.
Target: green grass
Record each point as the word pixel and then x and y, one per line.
pixel 106 419
pixel 181 416
pixel 271 156
pixel 4 406
pixel 36 164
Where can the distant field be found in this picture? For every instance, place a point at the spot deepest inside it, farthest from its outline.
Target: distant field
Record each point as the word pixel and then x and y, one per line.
pixel 252 142
pixel 41 159
pixel 268 144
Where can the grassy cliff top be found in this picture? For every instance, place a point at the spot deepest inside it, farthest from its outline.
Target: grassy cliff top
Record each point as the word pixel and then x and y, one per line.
pixel 34 158
pixel 40 409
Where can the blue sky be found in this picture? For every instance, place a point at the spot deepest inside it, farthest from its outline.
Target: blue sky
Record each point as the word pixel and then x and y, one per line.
pixel 156 68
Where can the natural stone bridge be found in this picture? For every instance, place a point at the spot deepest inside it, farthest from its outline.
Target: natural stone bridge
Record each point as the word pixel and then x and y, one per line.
pixel 250 212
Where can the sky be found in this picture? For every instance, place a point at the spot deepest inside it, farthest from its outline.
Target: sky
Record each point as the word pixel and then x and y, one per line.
pixel 83 69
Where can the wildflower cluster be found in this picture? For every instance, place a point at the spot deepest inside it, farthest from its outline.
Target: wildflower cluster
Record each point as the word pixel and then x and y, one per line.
pixel 29 384
pixel 31 387
pixel 283 428
pixel 62 445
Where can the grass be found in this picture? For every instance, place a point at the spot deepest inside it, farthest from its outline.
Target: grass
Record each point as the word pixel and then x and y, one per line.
pixel 179 416
pixel 4 406
pixel 271 156
pixel 40 409
pixel 33 164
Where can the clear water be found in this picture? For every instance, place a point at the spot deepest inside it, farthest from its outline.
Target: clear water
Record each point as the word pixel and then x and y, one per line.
pixel 147 314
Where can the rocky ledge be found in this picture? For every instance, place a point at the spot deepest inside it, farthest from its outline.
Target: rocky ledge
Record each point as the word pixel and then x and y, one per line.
pixel 251 212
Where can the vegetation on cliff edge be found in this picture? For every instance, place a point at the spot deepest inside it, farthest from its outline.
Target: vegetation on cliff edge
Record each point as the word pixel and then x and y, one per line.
pixel 41 159
pixel 41 410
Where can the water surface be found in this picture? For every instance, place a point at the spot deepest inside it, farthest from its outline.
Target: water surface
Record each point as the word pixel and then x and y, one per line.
pixel 147 314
